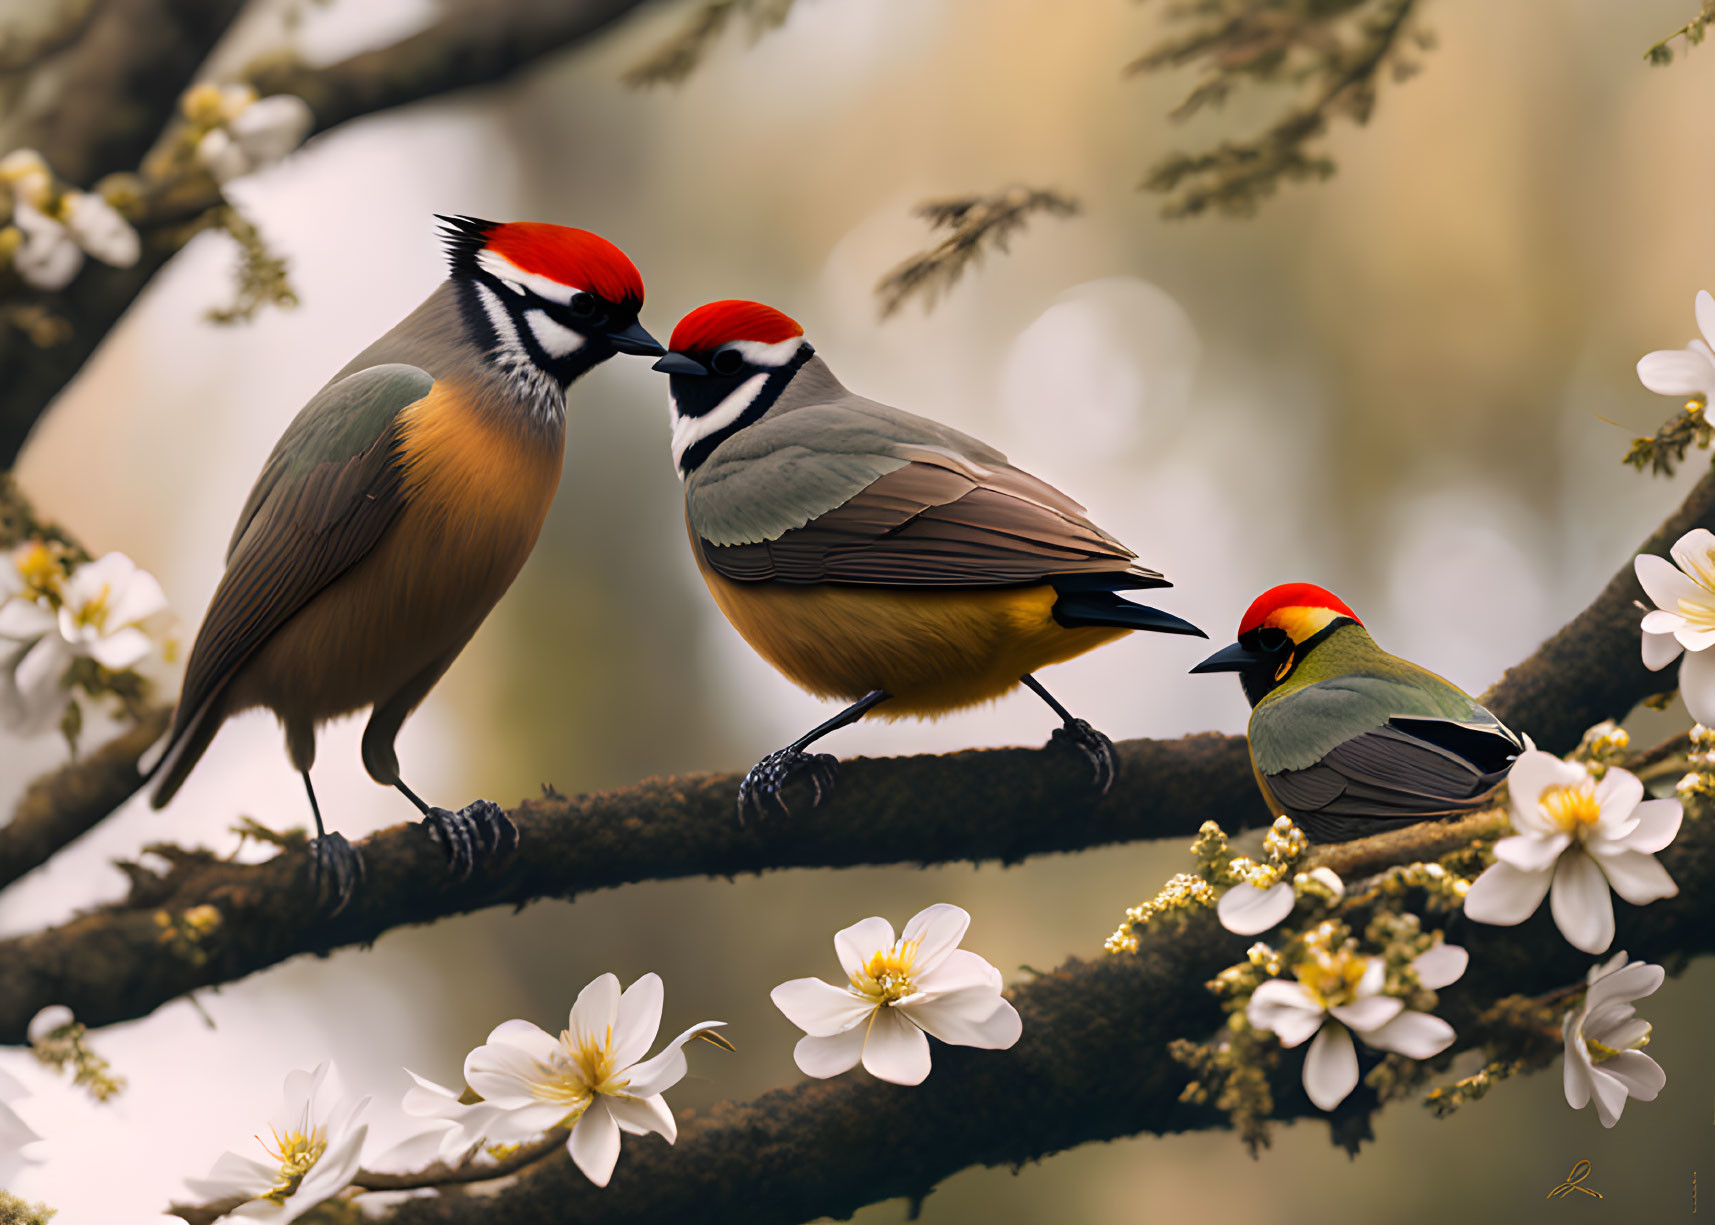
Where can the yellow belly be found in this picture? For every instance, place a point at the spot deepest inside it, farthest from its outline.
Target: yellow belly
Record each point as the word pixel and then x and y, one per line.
pixel 934 650
pixel 476 497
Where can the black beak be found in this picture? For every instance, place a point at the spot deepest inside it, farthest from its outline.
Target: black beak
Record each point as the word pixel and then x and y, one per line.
pixel 634 339
pixel 678 363
pixel 1235 658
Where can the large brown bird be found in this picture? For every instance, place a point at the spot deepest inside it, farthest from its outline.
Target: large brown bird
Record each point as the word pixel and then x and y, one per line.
pixel 398 507
pixel 876 556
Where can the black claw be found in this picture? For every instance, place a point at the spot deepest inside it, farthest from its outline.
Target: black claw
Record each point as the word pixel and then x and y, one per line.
pixel 763 786
pixel 1096 748
pixel 336 870
pixel 479 831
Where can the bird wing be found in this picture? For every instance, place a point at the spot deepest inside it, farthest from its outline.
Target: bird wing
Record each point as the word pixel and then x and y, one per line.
pixel 1407 770
pixel 852 491
pixel 1344 753
pixel 325 497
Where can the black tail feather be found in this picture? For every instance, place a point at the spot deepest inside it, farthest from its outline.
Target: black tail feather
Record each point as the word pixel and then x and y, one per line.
pixel 1105 607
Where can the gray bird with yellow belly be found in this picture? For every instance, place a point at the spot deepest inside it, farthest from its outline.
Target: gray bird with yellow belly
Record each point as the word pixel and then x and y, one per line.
pixel 875 556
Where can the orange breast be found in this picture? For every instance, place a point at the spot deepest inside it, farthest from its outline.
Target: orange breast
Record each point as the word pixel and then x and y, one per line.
pixel 477 491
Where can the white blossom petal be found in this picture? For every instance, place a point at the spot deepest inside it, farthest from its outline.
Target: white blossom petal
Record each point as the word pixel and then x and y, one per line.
pixel 1580 903
pixel 121 650
pixel 1416 1035
pixel 856 944
pixel 594 1142
pixel 1531 852
pixel 1330 1067
pixel 1504 896
pixel 1367 1012
pixel 1533 773
pixel 973 1017
pixel 1697 685
pixel 595 1011
pixel 1660 650
pixel 960 970
pixel 1635 876
pixel 825 1057
pixel 1441 965
pixel 49 257
pixel 668 1067
pixel 1639 1075
pixel 818 1008
pixel 639 1020
pixel 1657 827
pixel 272 127
pixel 895 1049
pixel 1286 1008
pixel 938 930
pixel 25 620
pixel 100 230
pixel 1248 911
pixel 1676 372
pixel 640 1116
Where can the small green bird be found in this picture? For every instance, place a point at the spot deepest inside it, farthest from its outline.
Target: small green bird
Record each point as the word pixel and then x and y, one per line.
pixel 1346 739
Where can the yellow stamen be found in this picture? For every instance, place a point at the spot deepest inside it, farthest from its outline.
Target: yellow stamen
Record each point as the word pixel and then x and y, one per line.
pixel 886 976
pixel 297 1154
pixel 1571 806
pixel 1332 978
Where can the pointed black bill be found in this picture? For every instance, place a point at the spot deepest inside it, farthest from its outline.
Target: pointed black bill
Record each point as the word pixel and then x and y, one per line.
pixel 635 340
pixel 678 363
pixel 1235 658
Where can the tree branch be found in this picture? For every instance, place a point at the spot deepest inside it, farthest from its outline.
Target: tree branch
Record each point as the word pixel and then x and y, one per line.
pixel 62 806
pixel 1092 1064
pixel 471 44
pixel 1000 804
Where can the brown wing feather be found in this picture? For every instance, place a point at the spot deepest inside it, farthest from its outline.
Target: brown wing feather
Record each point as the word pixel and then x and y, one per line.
pixel 933 524
pixel 306 532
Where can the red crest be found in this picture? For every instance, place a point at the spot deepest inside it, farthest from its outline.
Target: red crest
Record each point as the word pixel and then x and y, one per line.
pixel 1292 595
pixel 558 253
pixel 709 327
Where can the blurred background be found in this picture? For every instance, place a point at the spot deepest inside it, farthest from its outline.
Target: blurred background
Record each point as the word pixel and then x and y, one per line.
pixel 1412 384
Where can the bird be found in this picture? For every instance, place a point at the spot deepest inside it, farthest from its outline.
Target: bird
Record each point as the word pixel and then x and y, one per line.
pixel 875 556
pixel 395 511
pixel 1346 739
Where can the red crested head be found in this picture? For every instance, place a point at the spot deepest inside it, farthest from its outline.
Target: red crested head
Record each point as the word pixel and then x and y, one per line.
pixel 1290 606
pixel 719 323
pixel 553 261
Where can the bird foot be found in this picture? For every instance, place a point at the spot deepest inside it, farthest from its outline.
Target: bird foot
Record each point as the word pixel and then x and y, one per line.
pixel 762 787
pixel 479 831
pixel 336 869
pixel 1095 748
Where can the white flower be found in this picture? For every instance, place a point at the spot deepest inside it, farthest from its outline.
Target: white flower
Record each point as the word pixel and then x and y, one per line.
pixel 1684 616
pixel 1249 909
pixel 593 1077
pixel 32 663
pixel 15 1134
pixel 49 256
pixel 255 135
pixel 1604 1040
pixel 1581 836
pixel 1341 992
pixel 896 992
pixel 1689 371
pixel 457 1129
pixel 50 1019
pixel 105 604
pixel 313 1154
pixel 100 230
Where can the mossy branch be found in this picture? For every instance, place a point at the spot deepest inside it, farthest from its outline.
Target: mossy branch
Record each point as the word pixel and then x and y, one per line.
pixel 1093 1064
pixel 673 62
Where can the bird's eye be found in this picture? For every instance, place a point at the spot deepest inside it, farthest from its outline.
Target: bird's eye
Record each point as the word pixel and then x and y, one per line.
pixel 727 361
pixel 1272 638
pixel 582 305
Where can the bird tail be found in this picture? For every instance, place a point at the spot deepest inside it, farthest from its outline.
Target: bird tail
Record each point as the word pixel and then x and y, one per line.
pixel 1083 602
pixel 177 754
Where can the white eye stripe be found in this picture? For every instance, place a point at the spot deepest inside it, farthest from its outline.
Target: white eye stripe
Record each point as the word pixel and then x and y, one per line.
pixel 543 287
pixel 498 316
pixel 515 287
pixel 689 431
pixel 758 354
pixel 556 339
